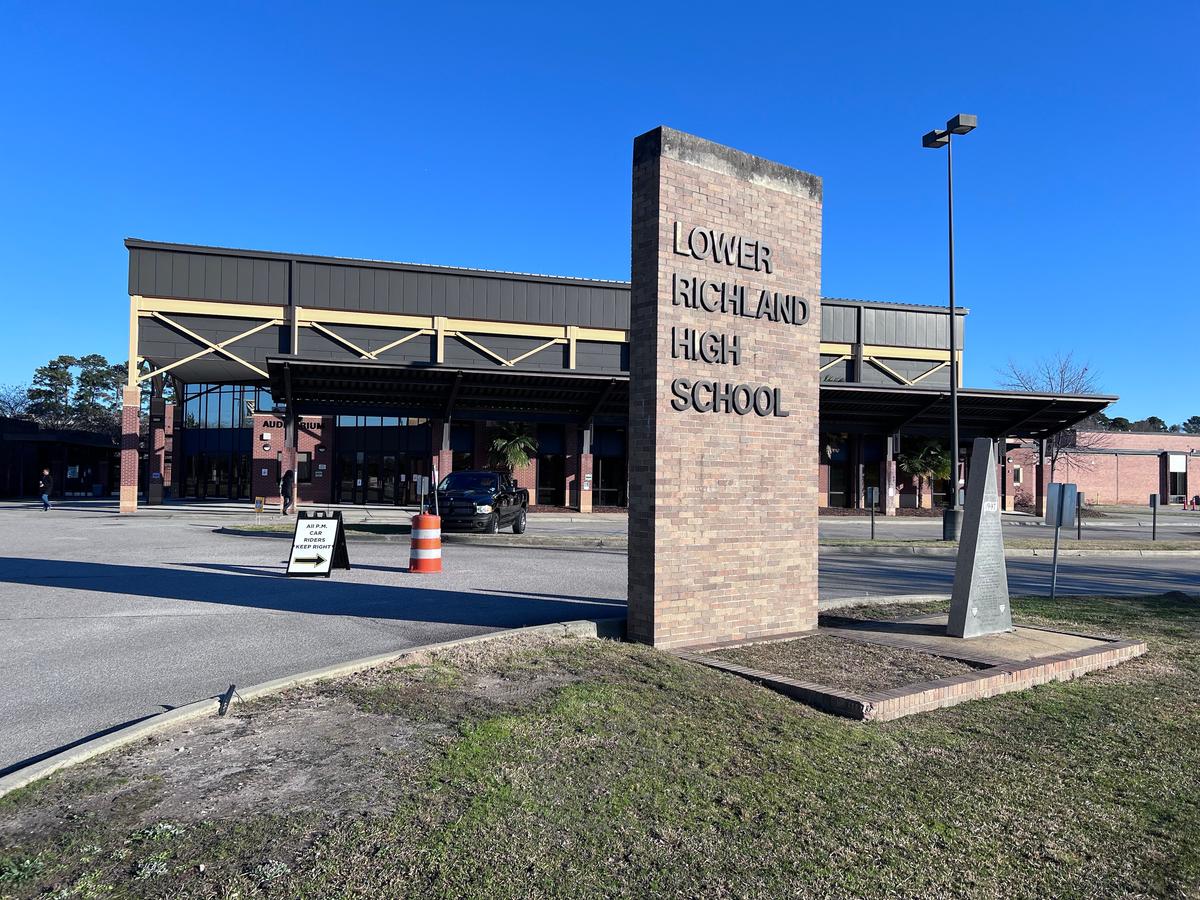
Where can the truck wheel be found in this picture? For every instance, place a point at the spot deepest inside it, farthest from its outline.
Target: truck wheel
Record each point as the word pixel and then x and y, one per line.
pixel 493 524
pixel 519 522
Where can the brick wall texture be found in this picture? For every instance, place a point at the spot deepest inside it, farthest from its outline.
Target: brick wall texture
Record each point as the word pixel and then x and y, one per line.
pixel 1120 468
pixel 723 507
pixel 131 398
pixel 311 433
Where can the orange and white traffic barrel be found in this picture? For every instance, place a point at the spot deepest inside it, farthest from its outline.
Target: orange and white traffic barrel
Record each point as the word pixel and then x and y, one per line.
pixel 426 552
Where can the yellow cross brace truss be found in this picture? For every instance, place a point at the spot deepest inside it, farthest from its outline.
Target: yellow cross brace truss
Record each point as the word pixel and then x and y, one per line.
pixel 209 346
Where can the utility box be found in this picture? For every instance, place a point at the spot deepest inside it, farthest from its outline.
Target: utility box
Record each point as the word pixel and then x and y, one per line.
pixel 154 490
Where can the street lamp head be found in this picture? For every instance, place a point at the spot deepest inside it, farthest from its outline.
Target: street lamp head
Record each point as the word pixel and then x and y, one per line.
pixel 962 123
pixel 935 139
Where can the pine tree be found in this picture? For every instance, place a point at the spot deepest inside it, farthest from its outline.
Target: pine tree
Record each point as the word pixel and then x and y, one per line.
pixel 50 393
pixel 96 402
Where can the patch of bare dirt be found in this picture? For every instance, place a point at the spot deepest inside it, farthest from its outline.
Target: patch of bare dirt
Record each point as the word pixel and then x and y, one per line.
pixel 303 751
pixel 844 664
pixel 351 744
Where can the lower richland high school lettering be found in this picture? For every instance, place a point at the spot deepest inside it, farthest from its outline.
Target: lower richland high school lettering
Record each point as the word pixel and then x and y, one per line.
pixel 723 397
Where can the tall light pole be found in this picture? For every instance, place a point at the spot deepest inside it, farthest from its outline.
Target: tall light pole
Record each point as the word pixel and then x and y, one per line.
pixel 934 140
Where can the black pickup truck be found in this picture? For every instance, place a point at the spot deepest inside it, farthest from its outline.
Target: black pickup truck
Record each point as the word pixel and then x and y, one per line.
pixel 481 501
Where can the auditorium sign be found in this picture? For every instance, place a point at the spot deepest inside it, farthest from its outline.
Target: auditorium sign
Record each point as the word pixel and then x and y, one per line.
pixel 729 300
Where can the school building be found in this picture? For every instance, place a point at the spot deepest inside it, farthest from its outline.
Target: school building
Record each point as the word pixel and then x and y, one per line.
pixel 362 374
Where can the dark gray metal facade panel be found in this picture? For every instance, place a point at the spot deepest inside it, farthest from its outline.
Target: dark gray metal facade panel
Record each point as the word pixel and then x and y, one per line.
pixel 318 345
pixel 599 356
pixel 908 369
pixel 370 289
pixel 162 344
pixel 839 324
pixel 460 353
pixel 908 328
pixel 840 372
pixel 184 275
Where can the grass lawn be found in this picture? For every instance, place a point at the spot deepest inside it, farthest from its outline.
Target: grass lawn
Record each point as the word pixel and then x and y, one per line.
pixel 588 768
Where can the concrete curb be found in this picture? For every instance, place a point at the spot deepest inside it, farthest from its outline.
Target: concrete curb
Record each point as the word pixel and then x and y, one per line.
pixel 1163 522
pixel 610 628
pixel 1063 552
pixel 570 542
pixel 562 542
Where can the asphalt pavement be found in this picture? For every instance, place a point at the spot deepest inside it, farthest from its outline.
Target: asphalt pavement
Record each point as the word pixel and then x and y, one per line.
pixel 108 619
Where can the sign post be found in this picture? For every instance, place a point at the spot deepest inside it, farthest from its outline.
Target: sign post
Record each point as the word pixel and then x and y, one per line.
pixel 318 544
pixel 1154 517
pixel 872 500
pixel 1079 516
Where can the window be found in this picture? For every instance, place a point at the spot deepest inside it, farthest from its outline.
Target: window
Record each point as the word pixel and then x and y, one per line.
pixel 469 481
pixel 1016 476
pixel 1177 486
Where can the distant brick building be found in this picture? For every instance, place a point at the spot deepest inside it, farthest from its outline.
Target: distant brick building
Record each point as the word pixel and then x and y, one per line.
pixel 1110 468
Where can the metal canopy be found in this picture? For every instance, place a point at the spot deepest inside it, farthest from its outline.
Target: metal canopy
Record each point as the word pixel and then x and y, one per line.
pixel 317 386
pixel 981 413
pixel 323 386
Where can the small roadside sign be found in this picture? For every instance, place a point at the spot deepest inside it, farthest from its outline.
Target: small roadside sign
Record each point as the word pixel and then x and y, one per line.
pixel 1061 503
pixel 318 544
pixel 259 503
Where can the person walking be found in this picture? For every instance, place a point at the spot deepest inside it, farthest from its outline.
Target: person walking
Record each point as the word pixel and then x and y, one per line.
pixel 287 486
pixel 45 486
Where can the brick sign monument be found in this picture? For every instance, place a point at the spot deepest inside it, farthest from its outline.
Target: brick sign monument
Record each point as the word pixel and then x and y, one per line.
pixel 723 378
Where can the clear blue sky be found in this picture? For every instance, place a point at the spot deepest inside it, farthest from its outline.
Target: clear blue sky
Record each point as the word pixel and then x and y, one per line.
pixel 481 136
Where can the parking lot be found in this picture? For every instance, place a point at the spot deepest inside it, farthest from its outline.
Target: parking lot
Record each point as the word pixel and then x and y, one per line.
pixel 107 619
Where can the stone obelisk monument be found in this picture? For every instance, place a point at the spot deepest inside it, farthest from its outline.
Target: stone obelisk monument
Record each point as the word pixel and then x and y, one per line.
pixel 980 604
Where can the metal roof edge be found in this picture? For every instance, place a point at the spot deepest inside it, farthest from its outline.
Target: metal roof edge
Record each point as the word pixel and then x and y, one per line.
pixel 132 243
pixel 963 391
pixel 889 304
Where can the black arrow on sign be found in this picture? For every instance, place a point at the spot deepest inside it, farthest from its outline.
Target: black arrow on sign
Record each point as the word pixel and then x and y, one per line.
pixel 311 560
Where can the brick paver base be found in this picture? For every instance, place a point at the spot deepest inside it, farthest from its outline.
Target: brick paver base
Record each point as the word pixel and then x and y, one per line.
pixel 1000 677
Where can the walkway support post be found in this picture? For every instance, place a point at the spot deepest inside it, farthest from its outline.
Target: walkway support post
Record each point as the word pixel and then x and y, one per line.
pixel 131 425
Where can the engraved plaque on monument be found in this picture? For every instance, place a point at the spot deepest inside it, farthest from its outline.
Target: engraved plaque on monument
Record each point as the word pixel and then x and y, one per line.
pixel 724 348
pixel 980 604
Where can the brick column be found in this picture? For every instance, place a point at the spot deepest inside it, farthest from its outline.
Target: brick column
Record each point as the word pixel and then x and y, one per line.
pixel 168 468
pixel 131 399
pixel 583 471
pixel 1041 481
pixel 158 450
pixel 707 216
pixel 887 477
pixel 526 477
pixel 585 482
pixel 440 453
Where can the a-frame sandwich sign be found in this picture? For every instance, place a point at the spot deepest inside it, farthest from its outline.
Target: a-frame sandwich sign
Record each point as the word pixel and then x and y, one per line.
pixel 318 545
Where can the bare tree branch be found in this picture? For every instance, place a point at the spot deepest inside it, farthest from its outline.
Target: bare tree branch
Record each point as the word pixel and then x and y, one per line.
pixel 1060 373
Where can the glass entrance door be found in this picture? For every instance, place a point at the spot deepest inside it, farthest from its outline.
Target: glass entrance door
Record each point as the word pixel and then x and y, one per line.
pixel 551 479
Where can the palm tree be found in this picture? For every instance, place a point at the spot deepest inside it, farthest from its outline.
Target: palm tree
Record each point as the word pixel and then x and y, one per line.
pixel 513 445
pixel 924 459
